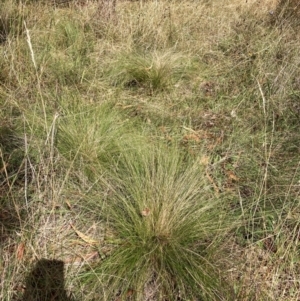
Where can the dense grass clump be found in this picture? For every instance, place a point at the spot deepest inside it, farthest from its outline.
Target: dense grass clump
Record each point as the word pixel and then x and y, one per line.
pixel 89 137
pixel 151 71
pixel 164 223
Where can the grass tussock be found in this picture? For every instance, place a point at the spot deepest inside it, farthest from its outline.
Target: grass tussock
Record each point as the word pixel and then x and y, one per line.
pixel 150 150
pixel 153 71
pixel 90 137
pixel 165 227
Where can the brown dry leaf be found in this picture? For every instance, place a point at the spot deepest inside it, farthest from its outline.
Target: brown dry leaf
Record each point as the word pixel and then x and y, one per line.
pixel 204 160
pixel 231 175
pixel 84 237
pixel 68 204
pixel 124 107
pixel 191 137
pixel 129 293
pixel 20 251
pixel 163 129
pixel 91 256
pixel 145 212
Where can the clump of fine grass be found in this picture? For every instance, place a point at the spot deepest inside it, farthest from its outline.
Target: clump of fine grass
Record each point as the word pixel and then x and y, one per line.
pixel 87 136
pixel 67 50
pixel 162 224
pixel 152 71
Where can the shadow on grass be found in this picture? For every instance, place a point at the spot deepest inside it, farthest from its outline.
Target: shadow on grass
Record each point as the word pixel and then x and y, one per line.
pixel 46 282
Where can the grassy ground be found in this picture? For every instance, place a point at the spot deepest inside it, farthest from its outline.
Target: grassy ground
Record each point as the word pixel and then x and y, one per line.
pixel 149 151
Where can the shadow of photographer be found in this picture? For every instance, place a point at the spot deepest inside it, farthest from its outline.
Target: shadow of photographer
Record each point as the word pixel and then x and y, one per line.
pixel 46 282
